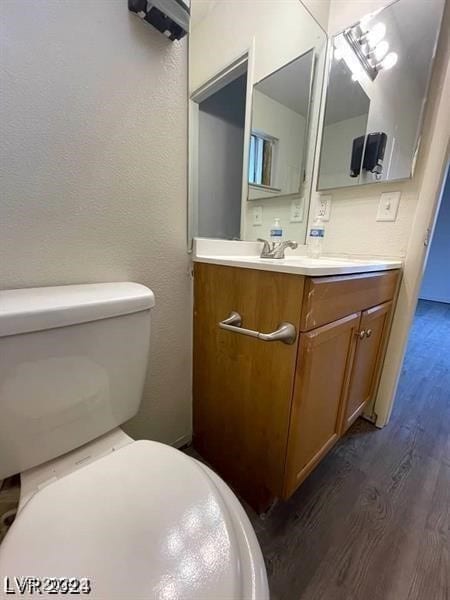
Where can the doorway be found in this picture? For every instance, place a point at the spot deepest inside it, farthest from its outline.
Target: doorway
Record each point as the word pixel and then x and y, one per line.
pixel 424 386
pixel 218 114
pixel 436 279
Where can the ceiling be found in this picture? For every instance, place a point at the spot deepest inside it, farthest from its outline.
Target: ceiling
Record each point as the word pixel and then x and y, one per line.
pixel 290 85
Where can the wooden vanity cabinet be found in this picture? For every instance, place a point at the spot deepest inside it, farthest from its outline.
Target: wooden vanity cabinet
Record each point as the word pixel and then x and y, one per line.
pixel 266 413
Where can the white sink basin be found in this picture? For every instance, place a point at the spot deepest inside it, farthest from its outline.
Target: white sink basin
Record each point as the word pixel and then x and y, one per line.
pixel 300 265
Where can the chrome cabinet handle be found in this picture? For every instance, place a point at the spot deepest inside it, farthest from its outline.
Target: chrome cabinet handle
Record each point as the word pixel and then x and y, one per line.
pixel 361 334
pixel 368 333
pixel 285 333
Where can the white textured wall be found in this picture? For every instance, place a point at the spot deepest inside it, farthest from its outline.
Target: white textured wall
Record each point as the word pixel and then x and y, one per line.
pixel 93 129
pixel 320 10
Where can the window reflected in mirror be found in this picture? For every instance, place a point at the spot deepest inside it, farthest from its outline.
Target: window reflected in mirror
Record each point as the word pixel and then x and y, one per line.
pixel 262 152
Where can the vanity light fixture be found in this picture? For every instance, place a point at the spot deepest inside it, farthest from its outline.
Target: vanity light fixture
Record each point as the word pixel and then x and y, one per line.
pixel 369 47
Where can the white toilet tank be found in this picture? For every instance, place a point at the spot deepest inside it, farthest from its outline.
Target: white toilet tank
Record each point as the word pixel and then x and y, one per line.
pixel 73 361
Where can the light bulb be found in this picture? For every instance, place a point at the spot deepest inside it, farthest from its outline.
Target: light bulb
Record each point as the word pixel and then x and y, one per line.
pixel 376 34
pixel 389 61
pixel 381 50
pixel 338 53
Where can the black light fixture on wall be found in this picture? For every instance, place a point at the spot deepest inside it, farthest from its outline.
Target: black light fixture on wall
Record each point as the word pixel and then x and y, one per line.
pixel 170 17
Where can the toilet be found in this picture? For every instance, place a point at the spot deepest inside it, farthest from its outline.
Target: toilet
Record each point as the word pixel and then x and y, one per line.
pixel 127 519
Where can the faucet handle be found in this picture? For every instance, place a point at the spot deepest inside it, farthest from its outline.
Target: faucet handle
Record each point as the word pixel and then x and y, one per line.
pixel 266 244
pixel 279 248
pixel 267 248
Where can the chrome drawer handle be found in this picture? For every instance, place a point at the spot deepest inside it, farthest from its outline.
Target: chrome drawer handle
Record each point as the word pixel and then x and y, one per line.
pixel 285 333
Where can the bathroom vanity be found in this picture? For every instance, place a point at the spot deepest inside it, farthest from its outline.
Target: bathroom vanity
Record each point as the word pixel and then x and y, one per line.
pixel 266 412
pixel 289 352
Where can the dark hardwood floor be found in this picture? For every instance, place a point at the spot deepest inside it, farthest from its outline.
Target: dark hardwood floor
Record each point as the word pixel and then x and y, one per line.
pixel 372 522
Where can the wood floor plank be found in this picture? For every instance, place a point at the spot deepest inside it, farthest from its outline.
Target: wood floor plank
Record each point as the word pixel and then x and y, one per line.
pixel 432 569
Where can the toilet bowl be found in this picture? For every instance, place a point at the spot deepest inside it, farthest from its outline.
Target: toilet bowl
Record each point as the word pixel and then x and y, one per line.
pixel 116 517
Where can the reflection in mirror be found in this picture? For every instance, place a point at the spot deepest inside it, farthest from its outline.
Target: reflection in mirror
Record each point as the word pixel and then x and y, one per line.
pixel 345 121
pixel 377 87
pixel 221 120
pixel 280 112
pixel 254 105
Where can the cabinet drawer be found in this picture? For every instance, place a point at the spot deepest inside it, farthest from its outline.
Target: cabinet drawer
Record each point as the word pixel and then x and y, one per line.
pixel 327 299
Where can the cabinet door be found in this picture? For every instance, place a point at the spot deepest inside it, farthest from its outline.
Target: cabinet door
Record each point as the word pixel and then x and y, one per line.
pixel 323 365
pixel 242 385
pixel 367 356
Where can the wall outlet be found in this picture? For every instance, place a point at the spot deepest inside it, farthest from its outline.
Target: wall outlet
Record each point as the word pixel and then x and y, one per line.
pixel 257 215
pixel 388 206
pixel 324 207
pixel 297 207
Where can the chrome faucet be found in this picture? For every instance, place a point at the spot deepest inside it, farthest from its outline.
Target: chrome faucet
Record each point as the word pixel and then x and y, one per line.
pixel 275 249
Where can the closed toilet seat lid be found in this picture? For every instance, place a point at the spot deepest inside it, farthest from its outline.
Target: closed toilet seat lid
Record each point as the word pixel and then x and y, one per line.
pixel 145 521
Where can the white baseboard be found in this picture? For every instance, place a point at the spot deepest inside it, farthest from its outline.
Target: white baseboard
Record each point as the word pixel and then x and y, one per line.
pixel 434 299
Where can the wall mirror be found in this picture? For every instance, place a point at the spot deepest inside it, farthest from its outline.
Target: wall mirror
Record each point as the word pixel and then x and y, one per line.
pixel 378 83
pixel 256 74
pixel 278 140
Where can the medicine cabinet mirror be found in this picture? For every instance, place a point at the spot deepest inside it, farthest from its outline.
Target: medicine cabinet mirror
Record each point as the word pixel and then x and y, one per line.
pixel 279 132
pixel 377 87
pixel 256 74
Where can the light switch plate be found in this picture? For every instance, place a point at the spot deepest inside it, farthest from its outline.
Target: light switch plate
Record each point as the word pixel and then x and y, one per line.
pixel 388 206
pixel 324 207
pixel 257 215
pixel 297 210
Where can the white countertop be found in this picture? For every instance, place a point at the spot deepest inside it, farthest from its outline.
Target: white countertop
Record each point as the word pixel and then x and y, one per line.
pixel 246 255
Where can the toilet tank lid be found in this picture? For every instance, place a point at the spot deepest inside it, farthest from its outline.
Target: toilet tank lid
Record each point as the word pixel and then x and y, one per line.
pixel 37 309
